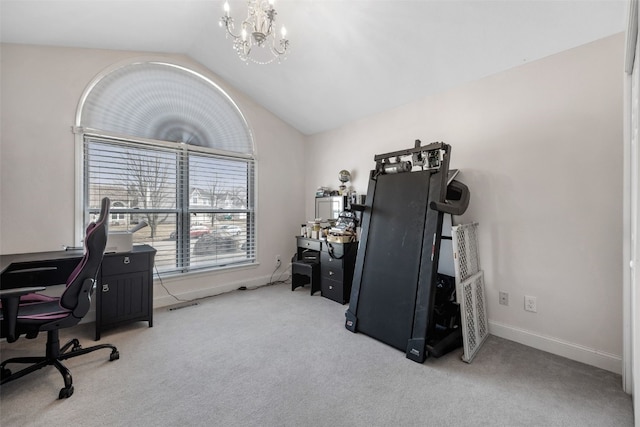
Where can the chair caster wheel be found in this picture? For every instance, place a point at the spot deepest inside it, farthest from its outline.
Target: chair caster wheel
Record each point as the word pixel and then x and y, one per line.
pixel 5 373
pixel 65 392
pixel 115 355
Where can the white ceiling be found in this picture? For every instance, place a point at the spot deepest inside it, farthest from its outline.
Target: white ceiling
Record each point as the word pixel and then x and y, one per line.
pixel 348 58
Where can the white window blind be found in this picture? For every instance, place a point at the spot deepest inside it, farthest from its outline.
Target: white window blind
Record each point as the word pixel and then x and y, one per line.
pixel 165 102
pixel 197 194
pixel 199 206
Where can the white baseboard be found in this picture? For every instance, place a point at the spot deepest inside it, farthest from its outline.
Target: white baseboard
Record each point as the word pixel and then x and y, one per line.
pixel 577 352
pixel 166 300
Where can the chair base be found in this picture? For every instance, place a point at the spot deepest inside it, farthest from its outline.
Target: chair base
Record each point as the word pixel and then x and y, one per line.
pixel 55 355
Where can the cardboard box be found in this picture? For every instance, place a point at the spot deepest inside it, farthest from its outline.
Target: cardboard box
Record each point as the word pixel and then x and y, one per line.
pixel 119 241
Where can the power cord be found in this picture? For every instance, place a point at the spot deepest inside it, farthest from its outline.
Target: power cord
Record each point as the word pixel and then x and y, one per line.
pixel 271 281
pixel 241 288
pixel 167 290
pixel 278 264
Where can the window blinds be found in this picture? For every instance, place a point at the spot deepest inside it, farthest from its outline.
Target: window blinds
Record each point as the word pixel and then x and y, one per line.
pixel 172 149
pixel 199 207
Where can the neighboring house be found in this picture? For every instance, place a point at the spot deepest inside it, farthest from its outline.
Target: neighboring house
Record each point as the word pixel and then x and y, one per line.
pixel 199 199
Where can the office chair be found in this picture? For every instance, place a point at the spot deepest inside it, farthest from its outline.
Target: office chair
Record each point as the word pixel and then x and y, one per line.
pixel 40 313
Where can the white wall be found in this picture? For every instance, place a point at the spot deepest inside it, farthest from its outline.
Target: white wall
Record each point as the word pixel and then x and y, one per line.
pixel 631 213
pixel 540 147
pixel 41 88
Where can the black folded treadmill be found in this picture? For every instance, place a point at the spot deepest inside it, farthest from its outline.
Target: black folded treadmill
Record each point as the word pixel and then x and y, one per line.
pixel 396 279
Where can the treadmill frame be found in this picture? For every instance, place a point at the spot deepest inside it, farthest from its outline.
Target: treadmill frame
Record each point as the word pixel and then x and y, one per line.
pixel 435 157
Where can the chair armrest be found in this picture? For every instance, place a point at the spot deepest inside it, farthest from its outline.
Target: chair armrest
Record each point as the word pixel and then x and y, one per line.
pixel 18 292
pixel 10 303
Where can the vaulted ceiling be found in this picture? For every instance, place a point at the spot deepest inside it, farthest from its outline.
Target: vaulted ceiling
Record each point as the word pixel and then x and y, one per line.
pixel 348 58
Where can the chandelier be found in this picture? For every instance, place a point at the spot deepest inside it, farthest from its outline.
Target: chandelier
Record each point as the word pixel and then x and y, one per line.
pixel 257 31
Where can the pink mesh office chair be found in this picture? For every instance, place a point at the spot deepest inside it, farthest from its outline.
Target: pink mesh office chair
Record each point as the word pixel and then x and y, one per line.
pixel 36 313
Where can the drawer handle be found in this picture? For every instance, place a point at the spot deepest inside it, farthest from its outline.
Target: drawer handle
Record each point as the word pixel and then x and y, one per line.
pixel 330 287
pixel 105 287
pixel 331 273
pixel 126 260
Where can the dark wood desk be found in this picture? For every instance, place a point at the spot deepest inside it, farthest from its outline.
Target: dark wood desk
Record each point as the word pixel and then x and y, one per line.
pixel 124 290
pixel 38 268
pixel 21 274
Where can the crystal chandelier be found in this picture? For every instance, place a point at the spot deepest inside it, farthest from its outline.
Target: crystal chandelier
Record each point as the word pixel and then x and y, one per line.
pixel 257 31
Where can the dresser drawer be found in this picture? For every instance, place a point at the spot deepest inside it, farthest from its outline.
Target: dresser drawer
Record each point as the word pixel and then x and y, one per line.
pixel 337 250
pixel 330 272
pixel 124 263
pixel 333 290
pixel 329 261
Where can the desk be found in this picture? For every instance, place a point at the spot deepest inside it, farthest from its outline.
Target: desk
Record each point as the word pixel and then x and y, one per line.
pixel 39 268
pixel 337 262
pixel 21 274
pixel 124 286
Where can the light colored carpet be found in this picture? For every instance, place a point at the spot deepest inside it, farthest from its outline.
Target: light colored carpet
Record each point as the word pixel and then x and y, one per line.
pixel 272 357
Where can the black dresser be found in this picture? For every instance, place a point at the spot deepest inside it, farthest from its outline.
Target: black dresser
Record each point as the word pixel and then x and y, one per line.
pixel 125 288
pixel 337 261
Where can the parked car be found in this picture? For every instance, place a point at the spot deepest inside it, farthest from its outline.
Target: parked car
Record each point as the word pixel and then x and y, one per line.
pixel 215 243
pixel 231 229
pixel 194 232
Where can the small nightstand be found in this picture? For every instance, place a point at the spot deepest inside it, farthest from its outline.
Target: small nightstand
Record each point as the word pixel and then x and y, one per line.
pixel 124 293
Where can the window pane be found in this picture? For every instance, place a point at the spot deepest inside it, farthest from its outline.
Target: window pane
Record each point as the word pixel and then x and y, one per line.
pixel 205 221
pixel 217 183
pixel 162 241
pixel 221 202
pixel 132 177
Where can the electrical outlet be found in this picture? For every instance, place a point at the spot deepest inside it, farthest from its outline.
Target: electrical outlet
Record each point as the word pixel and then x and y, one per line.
pixel 504 298
pixel 530 304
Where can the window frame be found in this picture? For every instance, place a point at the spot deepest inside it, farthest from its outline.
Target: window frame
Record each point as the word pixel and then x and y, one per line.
pixel 182 209
pixel 106 97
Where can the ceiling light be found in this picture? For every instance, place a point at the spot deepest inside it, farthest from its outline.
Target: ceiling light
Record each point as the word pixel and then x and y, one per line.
pixel 257 41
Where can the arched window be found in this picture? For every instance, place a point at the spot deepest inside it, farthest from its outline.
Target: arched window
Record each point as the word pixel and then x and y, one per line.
pixel 174 151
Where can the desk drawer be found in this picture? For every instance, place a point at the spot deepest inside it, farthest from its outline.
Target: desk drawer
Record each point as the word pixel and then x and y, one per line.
pixel 39 273
pixel 309 255
pixel 314 245
pixel 124 263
